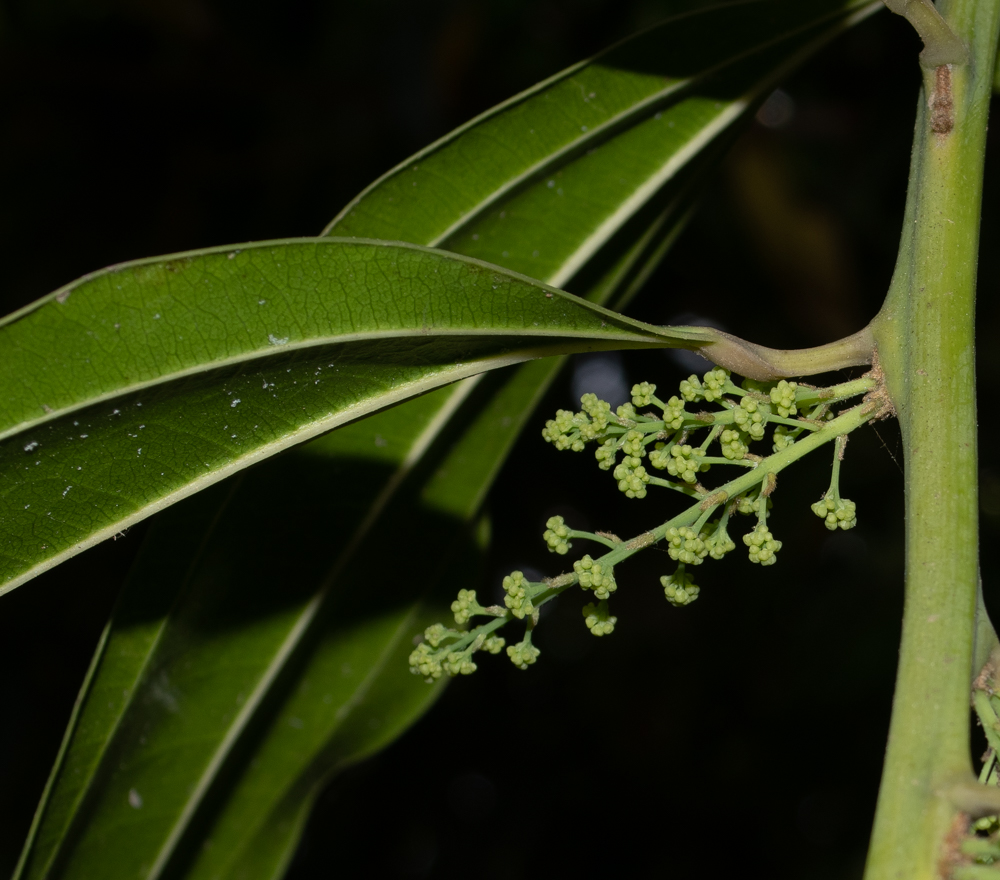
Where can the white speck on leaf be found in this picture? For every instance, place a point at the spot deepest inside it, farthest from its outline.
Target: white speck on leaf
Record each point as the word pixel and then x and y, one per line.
pixel 274 340
pixel 236 401
pixel 31 447
pixel 134 799
pixel 66 490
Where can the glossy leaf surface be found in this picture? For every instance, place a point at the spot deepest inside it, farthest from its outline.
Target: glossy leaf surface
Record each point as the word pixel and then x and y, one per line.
pixel 164 377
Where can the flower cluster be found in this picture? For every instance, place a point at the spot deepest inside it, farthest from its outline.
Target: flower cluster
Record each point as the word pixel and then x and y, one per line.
pixel 595 576
pixel 680 588
pixel 598 620
pixel 557 535
pixel 685 545
pixel 517 599
pixel 836 512
pixel 762 545
pixel 683 445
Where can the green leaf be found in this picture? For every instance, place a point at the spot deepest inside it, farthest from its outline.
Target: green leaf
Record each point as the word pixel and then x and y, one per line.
pixel 145 383
pixel 241 783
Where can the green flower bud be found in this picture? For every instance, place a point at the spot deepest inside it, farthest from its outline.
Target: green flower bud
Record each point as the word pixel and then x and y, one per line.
pixel 673 414
pixel 733 446
pixel 626 413
pixel 517 599
pixel 493 644
pixel 783 398
pixel 595 576
pixel 691 389
pixel 632 444
pixel 598 410
pixel 556 535
pixel 598 620
pixel 437 633
pixel 762 545
pixel 605 455
pixel 679 588
pixel 458 663
pixel 631 477
pixel 523 654
pixel 718 543
pixel 642 394
pixel 715 383
pixel 750 419
pixel 836 513
pixel 683 463
pixel 747 504
pixel 563 432
pixel 465 606
pixel 424 662
pixel 782 437
pixel 685 545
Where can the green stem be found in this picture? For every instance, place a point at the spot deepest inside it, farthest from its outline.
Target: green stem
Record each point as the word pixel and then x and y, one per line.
pixel 762 363
pixel 924 335
pixel 941 44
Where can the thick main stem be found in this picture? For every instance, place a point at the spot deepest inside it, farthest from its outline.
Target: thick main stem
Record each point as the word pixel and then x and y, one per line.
pixel 926 344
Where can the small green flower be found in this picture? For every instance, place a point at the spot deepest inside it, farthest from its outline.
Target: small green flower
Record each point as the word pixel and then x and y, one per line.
pixel 631 477
pixel 424 662
pixel 718 543
pixel 595 576
pixel 556 535
pixel 750 418
pixel 674 414
pixel 747 504
pixel 626 413
pixel 685 545
pixel 715 382
pixel 733 444
pixel 643 394
pixel 437 633
pixel 632 444
pixel 465 606
pixel 458 663
pixel 836 513
pixel 679 588
pixel 605 454
pixel 598 620
pixel 691 389
pixel 783 398
pixel 782 437
pixel 523 654
pixel 762 545
pixel 683 463
pixel 563 432
pixel 493 644
pixel 517 599
pixel 595 417
pixel 598 410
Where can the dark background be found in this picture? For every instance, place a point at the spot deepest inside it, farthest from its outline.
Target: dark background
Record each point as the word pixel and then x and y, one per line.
pixel 745 730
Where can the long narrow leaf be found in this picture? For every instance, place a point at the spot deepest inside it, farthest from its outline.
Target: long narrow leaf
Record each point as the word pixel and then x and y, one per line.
pixel 167 376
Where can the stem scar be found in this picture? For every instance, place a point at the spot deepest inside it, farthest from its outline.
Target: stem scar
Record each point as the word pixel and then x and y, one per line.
pixel 942 106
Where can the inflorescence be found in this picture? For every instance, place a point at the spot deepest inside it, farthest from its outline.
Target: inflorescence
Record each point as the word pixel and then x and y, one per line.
pixel 638 442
